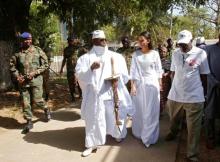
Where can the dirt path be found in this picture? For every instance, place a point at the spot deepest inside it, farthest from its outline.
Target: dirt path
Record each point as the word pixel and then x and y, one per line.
pixel 62 139
pixel 11 116
pixel 64 135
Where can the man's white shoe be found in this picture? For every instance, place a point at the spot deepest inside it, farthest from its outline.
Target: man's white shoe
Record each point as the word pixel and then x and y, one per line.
pixel 88 151
pixel 118 140
pixel 147 145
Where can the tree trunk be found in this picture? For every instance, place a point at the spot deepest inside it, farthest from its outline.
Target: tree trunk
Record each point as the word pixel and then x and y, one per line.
pixel 14 16
pixel 6 51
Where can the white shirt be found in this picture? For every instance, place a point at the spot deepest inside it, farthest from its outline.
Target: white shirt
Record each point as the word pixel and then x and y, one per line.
pixel 187 85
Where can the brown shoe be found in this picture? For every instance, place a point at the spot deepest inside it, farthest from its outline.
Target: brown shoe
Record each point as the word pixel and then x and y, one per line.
pixel 170 136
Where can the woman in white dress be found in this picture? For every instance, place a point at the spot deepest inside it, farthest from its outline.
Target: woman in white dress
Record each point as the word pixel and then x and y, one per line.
pixel 146 73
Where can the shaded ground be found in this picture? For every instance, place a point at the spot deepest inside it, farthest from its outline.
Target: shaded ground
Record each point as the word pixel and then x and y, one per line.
pixel 11 111
pixel 206 155
pixel 63 140
pixel 11 118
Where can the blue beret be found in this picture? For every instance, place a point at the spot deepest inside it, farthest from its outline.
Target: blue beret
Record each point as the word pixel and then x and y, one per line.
pixel 26 35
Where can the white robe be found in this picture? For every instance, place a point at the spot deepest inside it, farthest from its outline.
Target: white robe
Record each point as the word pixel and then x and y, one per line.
pixel 145 71
pixel 97 107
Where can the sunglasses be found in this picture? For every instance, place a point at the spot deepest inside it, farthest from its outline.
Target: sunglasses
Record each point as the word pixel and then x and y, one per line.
pixel 101 40
pixel 183 45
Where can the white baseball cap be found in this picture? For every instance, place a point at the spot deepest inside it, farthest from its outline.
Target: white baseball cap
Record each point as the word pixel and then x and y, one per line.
pixel 184 37
pixel 98 34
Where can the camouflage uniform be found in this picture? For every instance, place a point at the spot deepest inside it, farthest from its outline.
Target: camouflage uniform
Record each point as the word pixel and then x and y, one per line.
pixel 23 63
pixel 70 55
pixel 82 50
pixel 127 54
pixel 46 76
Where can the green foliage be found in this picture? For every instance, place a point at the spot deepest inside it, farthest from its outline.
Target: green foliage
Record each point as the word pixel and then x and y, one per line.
pixel 82 16
pixel 195 19
pixel 110 32
pixel 128 17
pixel 14 16
pixel 197 27
pixel 211 14
pixel 44 27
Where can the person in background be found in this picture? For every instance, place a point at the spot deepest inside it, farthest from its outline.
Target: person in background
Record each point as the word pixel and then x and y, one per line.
pixel 200 42
pixel 46 77
pixel 160 45
pixel 146 74
pixel 189 67
pixel 166 77
pixel 70 56
pixel 27 67
pixel 212 110
pixel 170 47
pixel 126 50
pixel 106 103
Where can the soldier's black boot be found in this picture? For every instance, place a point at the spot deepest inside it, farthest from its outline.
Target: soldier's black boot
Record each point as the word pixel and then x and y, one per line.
pixel 28 127
pixel 46 97
pixel 47 115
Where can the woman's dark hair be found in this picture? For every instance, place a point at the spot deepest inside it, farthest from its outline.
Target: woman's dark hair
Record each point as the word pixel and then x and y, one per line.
pixel 147 35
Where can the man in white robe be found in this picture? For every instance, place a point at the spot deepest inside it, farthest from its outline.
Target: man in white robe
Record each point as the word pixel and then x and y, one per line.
pixel 97 108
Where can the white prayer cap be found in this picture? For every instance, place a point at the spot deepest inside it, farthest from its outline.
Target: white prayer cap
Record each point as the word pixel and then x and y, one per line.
pixel 98 34
pixel 184 37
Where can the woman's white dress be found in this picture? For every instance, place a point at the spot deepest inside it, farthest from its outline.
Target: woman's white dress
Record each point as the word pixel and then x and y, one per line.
pixel 145 71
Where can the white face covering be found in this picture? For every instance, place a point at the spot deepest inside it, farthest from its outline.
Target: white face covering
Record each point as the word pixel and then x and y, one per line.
pixel 99 50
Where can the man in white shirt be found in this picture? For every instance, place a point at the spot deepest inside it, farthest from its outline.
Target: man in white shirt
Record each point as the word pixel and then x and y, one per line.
pixel 190 68
pixel 93 71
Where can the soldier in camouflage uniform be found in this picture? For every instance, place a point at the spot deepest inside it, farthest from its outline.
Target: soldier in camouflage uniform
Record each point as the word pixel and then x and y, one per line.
pixel 46 76
pixel 27 67
pixel 126 50
pixel 70 59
